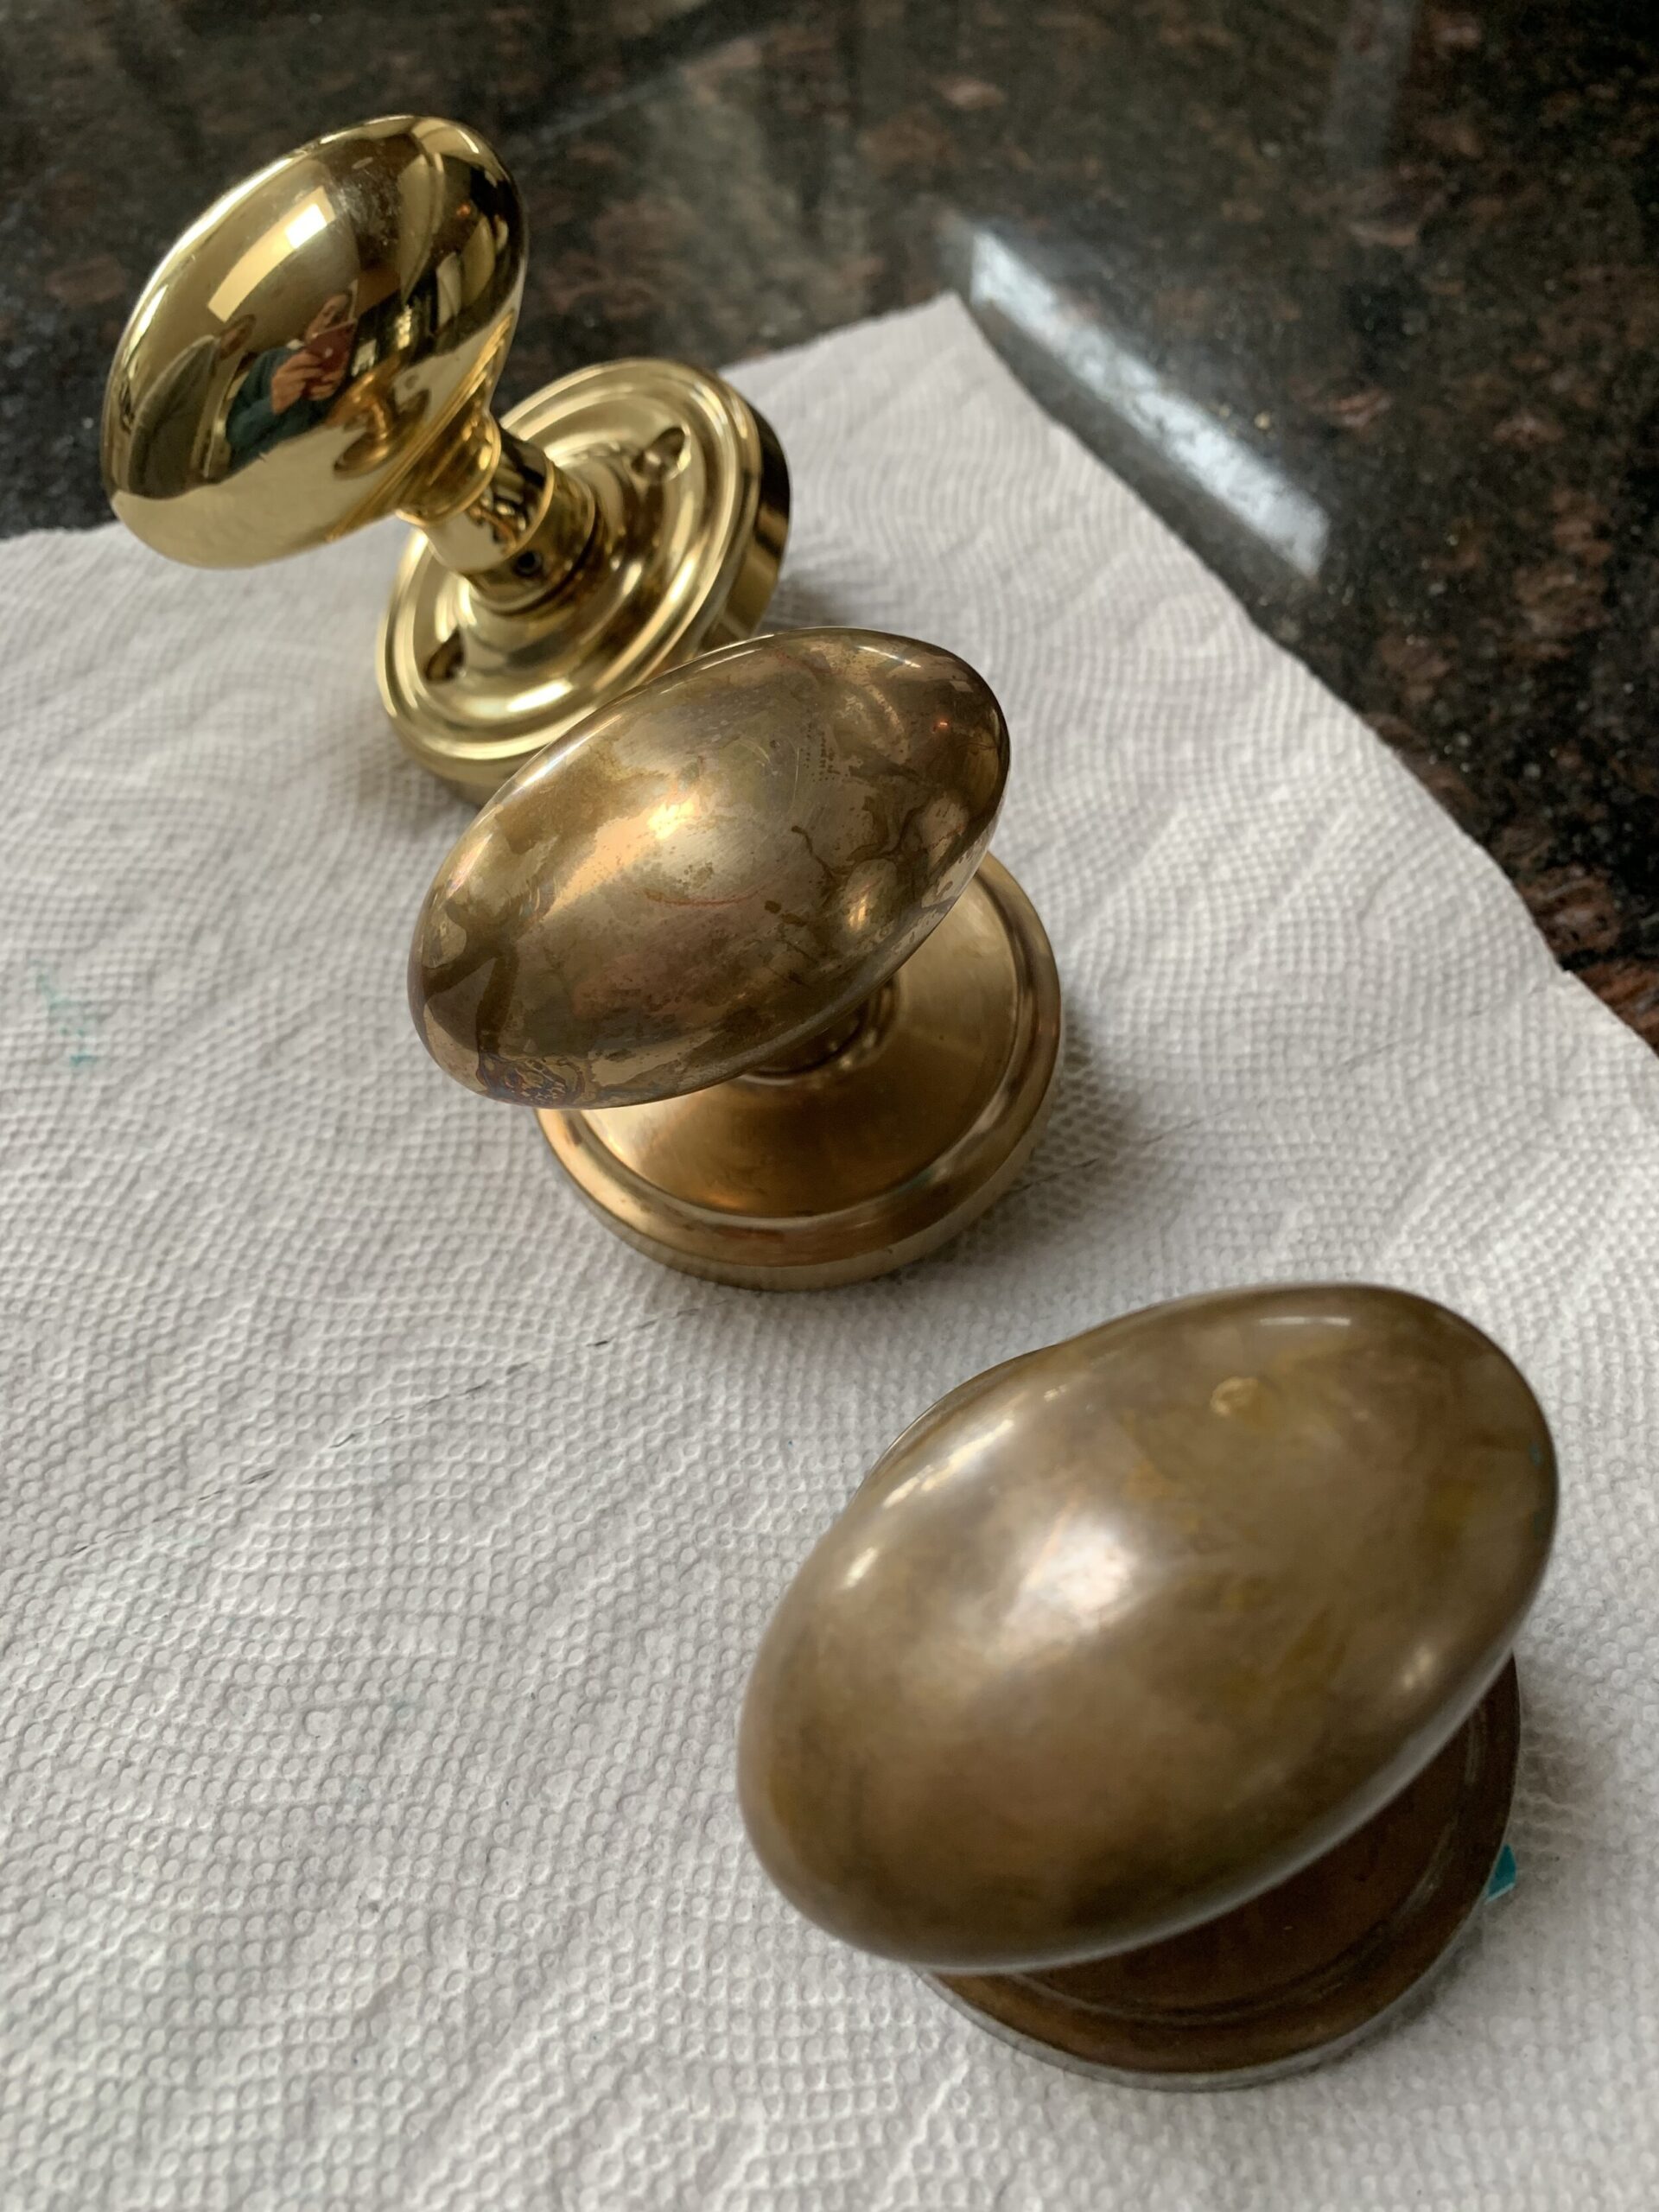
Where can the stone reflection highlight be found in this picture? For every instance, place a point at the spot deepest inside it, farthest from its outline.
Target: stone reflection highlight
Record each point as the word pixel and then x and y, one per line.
pixel 1004 280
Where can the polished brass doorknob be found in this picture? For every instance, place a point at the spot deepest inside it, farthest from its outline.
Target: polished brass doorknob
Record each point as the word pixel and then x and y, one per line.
pixel 1153 1692
pixel 320 350
pixel 737 939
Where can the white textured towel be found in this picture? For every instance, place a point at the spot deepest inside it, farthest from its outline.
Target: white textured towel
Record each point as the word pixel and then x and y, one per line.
pixel 382 1544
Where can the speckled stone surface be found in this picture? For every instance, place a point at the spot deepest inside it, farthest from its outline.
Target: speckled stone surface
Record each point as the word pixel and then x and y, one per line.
pixel 1362 295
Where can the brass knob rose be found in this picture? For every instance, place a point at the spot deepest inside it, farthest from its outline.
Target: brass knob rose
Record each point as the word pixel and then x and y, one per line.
pixel 1153 1692
pixel 320 350
pixel 738 943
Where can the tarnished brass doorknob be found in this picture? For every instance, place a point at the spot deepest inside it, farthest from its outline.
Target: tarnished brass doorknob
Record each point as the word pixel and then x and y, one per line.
pixel 1153 1691
pixel 320 350
pixel 738 940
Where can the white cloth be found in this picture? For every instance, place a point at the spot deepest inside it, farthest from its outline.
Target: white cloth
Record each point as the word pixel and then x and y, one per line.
pixel 383 1544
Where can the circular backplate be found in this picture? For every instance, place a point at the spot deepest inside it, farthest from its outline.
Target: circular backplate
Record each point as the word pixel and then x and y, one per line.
pixel 693 502
pixel 872 1158
pixel 1300 1973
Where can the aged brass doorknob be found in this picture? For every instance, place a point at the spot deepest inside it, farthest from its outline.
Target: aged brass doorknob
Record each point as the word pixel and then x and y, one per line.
pixel 320 350
pixel 737 939
pixel 1153 1691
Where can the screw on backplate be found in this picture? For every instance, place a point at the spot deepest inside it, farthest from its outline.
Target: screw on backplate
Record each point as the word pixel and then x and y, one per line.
pixel 662 456
pixel 445 661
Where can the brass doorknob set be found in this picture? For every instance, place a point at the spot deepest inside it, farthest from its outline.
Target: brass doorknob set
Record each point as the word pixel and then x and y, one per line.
pixel 1152 1694
pixel 320 349
pixel 732 937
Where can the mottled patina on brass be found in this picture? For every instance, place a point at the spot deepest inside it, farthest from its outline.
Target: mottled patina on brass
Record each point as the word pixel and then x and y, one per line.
pixel 710 871
pixel 1124 1632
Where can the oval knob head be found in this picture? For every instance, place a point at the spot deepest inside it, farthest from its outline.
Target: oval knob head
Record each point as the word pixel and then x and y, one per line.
pixel 709 872
pixel 318 346
pixel 1127 1630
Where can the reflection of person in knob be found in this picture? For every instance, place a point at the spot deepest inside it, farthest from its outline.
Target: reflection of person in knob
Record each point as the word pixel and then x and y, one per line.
pixel 290 388
pixel 172 429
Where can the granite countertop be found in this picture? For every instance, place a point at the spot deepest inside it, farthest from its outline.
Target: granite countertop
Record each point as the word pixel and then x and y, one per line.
pixel 1362 294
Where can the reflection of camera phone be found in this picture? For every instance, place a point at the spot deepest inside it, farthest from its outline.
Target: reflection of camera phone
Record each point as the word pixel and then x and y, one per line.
pixel 330 351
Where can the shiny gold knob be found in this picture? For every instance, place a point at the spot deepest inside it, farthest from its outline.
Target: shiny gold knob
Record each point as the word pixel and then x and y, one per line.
pixel 320 349
pixel 1154 1688
pixel 738 941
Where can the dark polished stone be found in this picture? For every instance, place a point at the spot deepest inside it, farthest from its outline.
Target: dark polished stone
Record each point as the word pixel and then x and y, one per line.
pixel 1362 295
